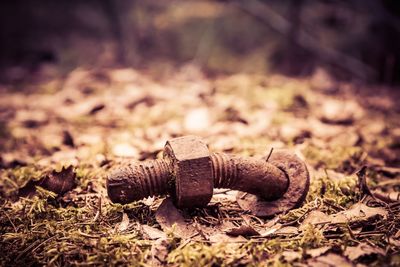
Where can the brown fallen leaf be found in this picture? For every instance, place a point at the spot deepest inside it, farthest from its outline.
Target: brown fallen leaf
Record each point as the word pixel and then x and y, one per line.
pixel 271 230
pixel 57 182
pixel 394 242
pixel 243 230
pixel 389 171
pixel 170 218
pixel 60 182
pixel 362 182
pixel 290 256
pixel 363 249
pixel 97 108
pixel 146 100
pixel 224 238
pixel 287 231
pixel 317 251
pixel 153 233
pixel 124 224
pixel 159 252
pixel 329 260
pixel 387 197
pixel 315 217
pixel 67 139
pixel 340 111
pixel 358 212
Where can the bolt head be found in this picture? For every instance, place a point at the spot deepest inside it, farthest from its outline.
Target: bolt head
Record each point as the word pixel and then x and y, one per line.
pixel 192 168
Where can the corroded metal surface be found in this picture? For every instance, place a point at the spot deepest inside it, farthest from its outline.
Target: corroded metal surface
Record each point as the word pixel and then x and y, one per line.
pixel 251 175
pixel 139 180
pixel 299 182
pixel 189 172
pixel 192 171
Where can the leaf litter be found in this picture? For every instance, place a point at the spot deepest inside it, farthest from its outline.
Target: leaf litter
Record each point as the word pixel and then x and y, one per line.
pixel 105 118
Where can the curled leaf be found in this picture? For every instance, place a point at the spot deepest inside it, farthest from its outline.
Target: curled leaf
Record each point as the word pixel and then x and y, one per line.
pixel 57 182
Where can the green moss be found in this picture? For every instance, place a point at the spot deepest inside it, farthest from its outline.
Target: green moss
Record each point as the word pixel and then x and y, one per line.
pixel 203 254
pixel 311 237
pixel 336 158
pixel 18 177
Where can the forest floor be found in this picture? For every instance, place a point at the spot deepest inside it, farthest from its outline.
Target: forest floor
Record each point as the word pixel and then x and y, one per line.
pixel 63 135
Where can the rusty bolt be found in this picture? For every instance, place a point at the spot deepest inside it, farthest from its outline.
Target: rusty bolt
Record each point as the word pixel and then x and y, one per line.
pixel 189 172
pixel 299 183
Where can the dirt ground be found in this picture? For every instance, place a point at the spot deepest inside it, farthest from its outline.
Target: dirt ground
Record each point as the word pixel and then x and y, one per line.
pixel 60 137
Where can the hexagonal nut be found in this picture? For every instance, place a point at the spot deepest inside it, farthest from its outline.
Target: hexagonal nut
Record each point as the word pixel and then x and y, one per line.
pixel 192 170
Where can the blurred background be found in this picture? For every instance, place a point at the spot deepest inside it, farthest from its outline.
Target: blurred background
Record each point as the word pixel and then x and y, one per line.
pixel 353 40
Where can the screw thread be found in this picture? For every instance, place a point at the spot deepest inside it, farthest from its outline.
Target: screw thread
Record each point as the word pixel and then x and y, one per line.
pixel 138 181
pixel 155 177
pixel 225 172
pixel 151 178
pixel 250 175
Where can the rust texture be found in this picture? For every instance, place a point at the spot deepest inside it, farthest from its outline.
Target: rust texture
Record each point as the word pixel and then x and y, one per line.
pixel 299 182
pixel 249 175
pixel 192 170
pixel 137 181
pixel 189 172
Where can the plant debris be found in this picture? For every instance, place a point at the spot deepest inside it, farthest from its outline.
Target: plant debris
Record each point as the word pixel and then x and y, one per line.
pixel 54 208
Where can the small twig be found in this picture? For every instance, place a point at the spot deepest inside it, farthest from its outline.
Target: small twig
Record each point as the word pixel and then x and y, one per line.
pixel 371 233
pixel 350 232
pixel 98 213
pixel 362 181
pixel 88 235
pixel 13 225
pixel 34 246
pixel 386 197
pixel 270 153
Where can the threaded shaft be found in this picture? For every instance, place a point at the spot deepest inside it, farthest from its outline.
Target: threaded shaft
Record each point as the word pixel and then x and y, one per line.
pixel 154 177
pixel 150 178
pixel 137 181
pixel 225 172
pixel 250 175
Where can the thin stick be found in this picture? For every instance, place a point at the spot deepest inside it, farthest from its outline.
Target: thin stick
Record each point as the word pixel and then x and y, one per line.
pixel 270 153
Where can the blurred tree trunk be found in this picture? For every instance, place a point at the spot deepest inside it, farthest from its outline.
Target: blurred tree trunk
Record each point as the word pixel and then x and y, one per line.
pixel 112 14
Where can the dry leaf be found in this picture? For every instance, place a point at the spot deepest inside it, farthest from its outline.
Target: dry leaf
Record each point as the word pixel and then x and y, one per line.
pixel 329 260
pixel 387 197
pixel 340 111
pixel 315 217
pixel 123 225
pixel 362 181
pixel 363 249
pixel 358 212
pixel 243 230
pixel 159 252
pixel 317 251
pixel 67 139
pixel 57 182
pixel 290 256
pixel 271 230
pixel 153 233
pixel 169 217
pixel 224 238
pixel 287 231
